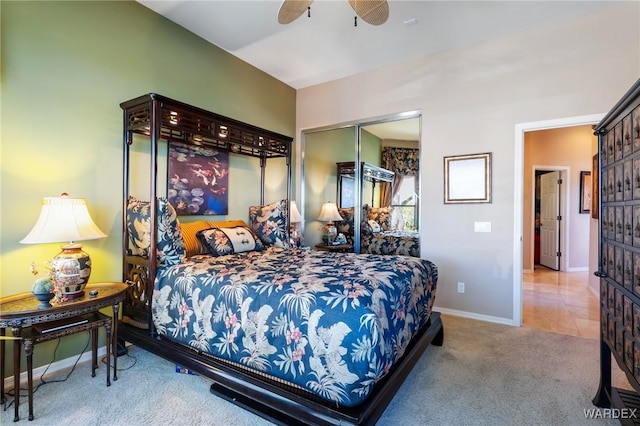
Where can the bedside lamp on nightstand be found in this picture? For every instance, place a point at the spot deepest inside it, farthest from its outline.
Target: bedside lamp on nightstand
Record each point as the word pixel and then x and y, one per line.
pixel 66 219
pixel 329 213
pixel 295 219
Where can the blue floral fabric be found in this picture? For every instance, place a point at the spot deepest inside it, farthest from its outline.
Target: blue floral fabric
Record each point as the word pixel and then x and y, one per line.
pixel 269 222
pixel 221 241
pixel 399 243
pixel 170 246
pixel 331 323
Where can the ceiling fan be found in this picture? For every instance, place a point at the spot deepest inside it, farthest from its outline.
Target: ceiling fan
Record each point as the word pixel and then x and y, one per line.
pixel 374 12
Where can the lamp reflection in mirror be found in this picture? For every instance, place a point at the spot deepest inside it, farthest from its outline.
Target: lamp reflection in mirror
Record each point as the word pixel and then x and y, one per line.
pixel 295 219
pixel 329 213
pixel 66 219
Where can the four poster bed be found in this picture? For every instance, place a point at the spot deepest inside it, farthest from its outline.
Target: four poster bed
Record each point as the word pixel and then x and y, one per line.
pixel 296 336
pixel 378 233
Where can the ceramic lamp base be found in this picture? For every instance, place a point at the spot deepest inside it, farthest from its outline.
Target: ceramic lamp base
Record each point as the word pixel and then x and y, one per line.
pixel 330 233
pixel 72 268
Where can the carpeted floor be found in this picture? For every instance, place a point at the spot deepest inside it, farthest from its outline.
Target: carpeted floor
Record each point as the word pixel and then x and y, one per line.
pixel 484 374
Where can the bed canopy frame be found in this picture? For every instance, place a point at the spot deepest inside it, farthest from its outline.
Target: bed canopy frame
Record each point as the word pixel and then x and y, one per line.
pixel 368 173
pixel 160 118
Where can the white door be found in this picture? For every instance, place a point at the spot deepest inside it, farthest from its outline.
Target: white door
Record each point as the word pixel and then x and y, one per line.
pixel 550 220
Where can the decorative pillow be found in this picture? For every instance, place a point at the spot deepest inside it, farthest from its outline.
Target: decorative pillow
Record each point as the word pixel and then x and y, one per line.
pixel 364 226
pixel 192 244
pixel 373 226
pixel 170 245
pixel 221 241
pixel 345 226
pixel 270 223
pixel 382 215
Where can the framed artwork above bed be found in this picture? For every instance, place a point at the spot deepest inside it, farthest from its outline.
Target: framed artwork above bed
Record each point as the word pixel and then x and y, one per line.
pixel 198 178
pixel 347 191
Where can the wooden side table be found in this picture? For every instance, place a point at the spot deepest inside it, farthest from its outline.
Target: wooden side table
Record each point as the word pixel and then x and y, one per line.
pixel 340 248
pixel 21 311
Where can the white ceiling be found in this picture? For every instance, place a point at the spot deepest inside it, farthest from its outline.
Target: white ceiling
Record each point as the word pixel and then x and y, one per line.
pixel 327 46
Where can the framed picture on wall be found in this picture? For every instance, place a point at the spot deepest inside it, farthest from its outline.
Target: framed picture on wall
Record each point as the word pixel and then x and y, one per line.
pixel 585 192
pixel 347 191
pixel 198 179
pixel 467 178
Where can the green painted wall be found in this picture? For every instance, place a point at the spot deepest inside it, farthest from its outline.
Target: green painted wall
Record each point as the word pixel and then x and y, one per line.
pixel 322 150
pixel 370 152
pixel 66 67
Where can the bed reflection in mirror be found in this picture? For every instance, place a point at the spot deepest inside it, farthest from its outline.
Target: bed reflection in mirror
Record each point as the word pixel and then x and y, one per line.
pixel 391 206
pixel 371 170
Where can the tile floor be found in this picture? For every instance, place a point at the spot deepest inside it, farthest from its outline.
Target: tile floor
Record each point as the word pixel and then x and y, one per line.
pixel 560 302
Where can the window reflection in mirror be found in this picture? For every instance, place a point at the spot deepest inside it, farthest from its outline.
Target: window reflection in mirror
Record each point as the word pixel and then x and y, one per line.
pixel 391 223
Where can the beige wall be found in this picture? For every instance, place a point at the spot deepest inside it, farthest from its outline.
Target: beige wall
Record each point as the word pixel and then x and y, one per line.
pixel 471 99
pixel 568 147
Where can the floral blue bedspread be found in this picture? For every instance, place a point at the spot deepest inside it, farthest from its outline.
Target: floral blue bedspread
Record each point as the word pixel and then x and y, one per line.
pixel 331 323
pixel 402 243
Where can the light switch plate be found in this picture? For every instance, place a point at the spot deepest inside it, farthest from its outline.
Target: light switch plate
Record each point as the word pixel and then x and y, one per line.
pixel 482 226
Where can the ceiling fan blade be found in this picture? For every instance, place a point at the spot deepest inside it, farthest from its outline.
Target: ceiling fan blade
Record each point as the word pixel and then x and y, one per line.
pixel 374 12
pixel 290 10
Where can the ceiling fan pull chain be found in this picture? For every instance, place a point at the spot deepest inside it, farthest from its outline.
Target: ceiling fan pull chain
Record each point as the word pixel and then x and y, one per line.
pixel 355 21
pixel 308 11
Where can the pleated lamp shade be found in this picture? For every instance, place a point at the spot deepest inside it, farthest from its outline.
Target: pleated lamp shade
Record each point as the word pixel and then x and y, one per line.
pixel 66 219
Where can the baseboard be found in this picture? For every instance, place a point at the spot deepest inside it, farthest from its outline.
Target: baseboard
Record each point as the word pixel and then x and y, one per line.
pixel 472 315
pixel 578 269
pixel 53 368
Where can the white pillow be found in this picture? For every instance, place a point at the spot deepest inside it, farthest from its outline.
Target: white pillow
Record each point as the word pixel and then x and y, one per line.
pixel 374 226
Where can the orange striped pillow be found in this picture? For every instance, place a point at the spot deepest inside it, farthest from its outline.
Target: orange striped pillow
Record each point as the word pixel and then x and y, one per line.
pixel 192 244
pixel 189 230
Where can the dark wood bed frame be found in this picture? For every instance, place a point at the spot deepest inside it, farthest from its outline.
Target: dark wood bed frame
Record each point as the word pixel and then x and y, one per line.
pixel 368 172
pixel 160 118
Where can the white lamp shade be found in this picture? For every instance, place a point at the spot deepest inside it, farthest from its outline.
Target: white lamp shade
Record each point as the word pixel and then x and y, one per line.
pixel 63 219
pixel 329 213
pixel 294 213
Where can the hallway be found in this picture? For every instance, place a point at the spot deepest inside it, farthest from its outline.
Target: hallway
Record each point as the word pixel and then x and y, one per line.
pixel 560 302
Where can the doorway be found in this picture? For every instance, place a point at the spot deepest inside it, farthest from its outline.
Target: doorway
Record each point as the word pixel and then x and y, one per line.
pixel 550 224
pixel 520 193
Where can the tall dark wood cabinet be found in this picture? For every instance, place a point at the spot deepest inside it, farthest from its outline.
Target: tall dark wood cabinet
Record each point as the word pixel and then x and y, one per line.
pixel 619 250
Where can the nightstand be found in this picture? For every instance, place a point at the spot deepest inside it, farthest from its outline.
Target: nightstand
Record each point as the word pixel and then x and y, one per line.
pixel 339 248
pixel 20 312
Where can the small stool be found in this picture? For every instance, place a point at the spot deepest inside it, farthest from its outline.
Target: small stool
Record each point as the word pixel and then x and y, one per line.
pixel 31 337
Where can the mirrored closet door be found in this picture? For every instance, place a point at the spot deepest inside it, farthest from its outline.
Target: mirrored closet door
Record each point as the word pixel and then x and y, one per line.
pixel 370 172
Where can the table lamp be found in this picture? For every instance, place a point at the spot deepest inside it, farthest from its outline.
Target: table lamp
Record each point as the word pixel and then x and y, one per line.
pixel 65 219
pixel 329 213
pixel 295 218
